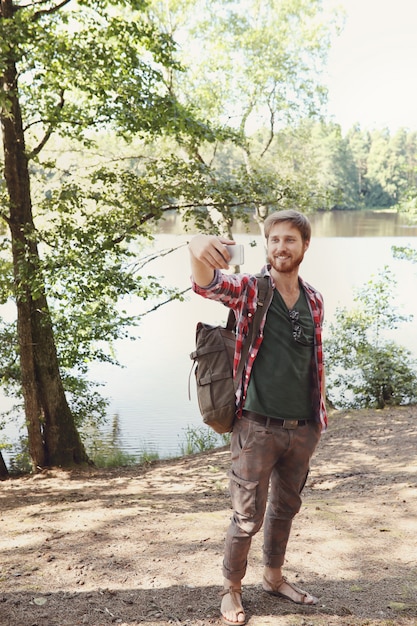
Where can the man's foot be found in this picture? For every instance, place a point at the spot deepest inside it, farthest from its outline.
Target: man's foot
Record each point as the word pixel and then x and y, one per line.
pixel 231 607
pixel 287 590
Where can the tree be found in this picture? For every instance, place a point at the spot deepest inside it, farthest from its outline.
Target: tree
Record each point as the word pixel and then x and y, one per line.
pixel 336 169
pixel 407 193
pixel 260 71
pixel 69 73
pixel 52 434
pixel 359 143
pixel 381 189
pixel 72 74
pixel 364 368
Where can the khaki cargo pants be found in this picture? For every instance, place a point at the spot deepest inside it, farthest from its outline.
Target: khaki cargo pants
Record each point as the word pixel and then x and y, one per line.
pixel 267 459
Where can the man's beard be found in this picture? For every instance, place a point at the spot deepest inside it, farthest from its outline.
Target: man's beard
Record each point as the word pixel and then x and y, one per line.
pixel 286 266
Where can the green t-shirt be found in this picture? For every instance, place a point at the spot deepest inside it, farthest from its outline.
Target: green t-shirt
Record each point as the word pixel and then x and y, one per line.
pixel 281 379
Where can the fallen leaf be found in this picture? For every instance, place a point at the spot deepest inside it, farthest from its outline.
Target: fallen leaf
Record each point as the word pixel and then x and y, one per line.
pixel 398 606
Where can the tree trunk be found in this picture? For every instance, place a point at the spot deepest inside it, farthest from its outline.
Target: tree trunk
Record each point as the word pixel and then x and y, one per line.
pixel 4 472
pixel 53 437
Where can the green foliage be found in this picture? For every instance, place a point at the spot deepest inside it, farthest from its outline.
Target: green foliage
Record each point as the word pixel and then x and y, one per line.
pixel 95 66
pixel 20 462
pixel 111 457
pixel 146 456
pixel 261 70
pixel 105 449
pixel 405 252
pixel 262 60
pixel 9 362
pixel 364 368
pixel 202 439
pixel 361 169
pixel 335 168
pixel 408 202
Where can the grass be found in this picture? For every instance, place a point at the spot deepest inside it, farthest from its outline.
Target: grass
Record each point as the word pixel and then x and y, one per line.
pixel 106 452
pixel 113 457
pixel 202 439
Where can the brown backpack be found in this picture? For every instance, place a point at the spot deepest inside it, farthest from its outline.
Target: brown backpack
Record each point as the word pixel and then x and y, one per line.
pixel 213 359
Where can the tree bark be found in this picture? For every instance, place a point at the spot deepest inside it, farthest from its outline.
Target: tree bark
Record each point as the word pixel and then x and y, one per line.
pixel 4 472
pixel 53 437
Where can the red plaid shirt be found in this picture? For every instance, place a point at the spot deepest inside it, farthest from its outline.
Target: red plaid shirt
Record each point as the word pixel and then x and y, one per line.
pixel 239 292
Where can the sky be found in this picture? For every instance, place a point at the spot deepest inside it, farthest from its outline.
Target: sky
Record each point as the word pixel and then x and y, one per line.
pixel 372 69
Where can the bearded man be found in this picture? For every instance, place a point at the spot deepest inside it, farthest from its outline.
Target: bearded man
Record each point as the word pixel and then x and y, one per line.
pixel 280 409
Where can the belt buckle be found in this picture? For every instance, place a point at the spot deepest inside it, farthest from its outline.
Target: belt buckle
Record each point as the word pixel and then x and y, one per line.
pixel 290 424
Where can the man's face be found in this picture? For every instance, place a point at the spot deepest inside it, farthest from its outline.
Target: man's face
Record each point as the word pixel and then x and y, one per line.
pixel 285 247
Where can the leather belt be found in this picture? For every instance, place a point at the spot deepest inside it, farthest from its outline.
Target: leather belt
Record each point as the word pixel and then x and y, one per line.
pixel 274 421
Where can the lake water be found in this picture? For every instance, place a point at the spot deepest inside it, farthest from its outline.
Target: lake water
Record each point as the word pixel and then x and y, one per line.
pixel 150 394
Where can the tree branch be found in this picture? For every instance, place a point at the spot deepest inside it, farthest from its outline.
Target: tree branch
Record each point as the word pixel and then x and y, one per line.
pixel 158 255
pixel 49 11
pixel 272 123
pixel 157 306
pixel 49 132
pixel 149 216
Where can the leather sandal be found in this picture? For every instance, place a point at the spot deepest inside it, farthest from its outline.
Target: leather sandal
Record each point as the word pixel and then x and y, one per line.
pixel 274 590
pixel 232 591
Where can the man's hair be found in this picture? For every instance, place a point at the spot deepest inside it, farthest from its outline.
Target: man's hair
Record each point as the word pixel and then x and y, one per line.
pixel 297 219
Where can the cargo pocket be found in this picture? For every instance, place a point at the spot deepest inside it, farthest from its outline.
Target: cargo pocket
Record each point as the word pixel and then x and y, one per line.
pixel 243 495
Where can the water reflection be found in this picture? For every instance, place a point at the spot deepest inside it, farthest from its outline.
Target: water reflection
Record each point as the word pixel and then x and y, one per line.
pixel 362 224
pixel 325 224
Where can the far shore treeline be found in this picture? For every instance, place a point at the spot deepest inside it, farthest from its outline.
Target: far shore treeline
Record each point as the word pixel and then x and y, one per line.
pixel 360 168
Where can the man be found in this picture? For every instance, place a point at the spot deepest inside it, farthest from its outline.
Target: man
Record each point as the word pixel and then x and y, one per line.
pixel 280 402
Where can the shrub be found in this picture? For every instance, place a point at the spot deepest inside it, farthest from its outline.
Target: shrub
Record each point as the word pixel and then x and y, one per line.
pixel 365 368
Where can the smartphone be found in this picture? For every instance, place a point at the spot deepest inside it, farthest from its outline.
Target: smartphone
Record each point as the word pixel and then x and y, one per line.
pixel 237 254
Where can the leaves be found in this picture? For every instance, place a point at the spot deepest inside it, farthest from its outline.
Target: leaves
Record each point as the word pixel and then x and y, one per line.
pixel 365 369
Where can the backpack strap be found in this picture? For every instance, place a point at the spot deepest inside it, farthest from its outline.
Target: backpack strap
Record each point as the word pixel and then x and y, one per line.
pixel 231 320
pixel 264 290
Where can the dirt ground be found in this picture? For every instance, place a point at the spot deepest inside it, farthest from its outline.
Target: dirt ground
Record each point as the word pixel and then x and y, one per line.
pixel 143 546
